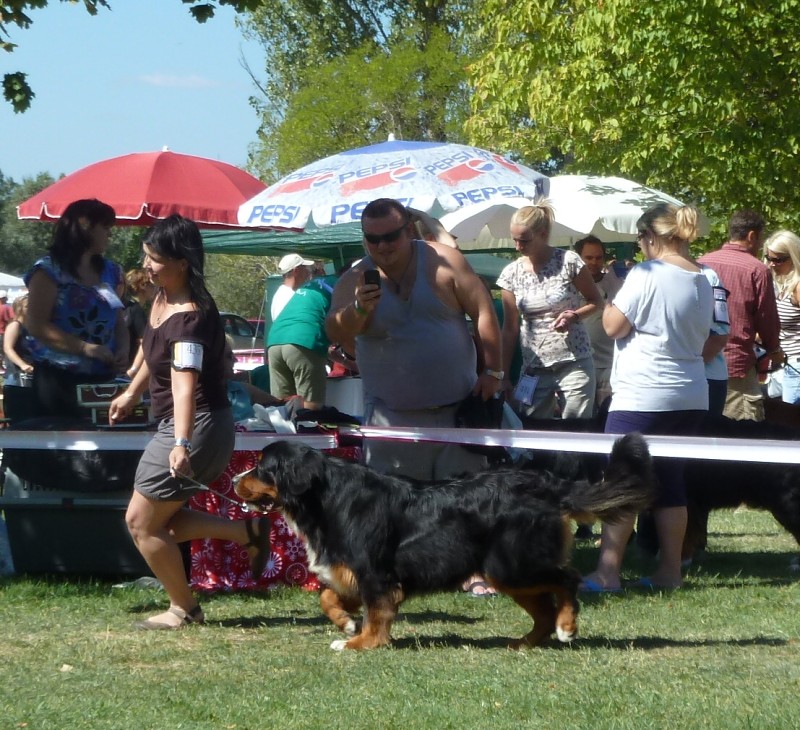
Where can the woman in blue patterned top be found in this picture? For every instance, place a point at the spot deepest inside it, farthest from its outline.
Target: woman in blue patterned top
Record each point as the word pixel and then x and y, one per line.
pixel 74 310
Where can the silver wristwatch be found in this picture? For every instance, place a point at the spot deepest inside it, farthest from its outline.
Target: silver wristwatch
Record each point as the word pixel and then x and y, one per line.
pixel 185 443
pixel 499 374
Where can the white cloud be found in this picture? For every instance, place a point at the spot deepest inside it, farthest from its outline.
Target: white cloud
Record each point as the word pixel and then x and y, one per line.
pixel 178 82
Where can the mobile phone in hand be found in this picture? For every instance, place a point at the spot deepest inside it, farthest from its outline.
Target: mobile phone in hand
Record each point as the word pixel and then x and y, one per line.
pixel 372 276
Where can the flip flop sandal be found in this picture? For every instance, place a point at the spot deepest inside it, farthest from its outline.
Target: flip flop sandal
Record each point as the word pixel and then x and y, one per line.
pixel 261 542
pixel 195 616
pixel 484 590
pixel 590 586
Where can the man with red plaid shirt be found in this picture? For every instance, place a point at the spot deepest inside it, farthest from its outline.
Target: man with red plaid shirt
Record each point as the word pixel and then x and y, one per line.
pixel 752 310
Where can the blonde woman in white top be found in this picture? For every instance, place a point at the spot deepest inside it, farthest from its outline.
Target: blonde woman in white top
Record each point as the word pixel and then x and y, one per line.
pixel 661 320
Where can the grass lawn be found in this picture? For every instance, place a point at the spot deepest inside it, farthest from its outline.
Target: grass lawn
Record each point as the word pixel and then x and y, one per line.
pixel 720 653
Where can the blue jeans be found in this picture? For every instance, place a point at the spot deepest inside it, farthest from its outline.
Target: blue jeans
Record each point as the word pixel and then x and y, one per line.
pixel 791 381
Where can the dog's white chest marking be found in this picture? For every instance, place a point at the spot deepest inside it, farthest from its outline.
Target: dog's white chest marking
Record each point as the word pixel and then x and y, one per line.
pixel 322 571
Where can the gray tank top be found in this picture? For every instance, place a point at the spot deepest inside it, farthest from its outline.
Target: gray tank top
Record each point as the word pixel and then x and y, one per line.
pixel 417 353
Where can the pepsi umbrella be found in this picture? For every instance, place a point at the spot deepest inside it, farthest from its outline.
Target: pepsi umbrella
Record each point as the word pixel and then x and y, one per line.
pixel 149 186
pixel 435 177
pixel 607 207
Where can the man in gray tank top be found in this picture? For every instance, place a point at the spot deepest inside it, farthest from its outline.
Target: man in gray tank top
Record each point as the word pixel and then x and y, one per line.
pixel 407 323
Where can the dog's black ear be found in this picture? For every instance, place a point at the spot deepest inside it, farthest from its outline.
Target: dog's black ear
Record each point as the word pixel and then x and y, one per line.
pixel 303 471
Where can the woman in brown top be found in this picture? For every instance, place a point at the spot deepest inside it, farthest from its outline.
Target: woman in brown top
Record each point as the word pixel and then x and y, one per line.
pixel 184 370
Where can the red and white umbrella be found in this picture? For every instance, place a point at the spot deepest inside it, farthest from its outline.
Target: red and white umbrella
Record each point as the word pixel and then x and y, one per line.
pixel 434 177
pixel 148 186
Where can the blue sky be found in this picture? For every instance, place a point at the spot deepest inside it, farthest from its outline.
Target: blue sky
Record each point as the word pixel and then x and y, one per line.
pixel 139 77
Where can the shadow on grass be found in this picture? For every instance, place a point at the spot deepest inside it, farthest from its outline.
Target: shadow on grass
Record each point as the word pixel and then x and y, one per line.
pixel 642 643
pixel 764 568
pixel 300 619
pixel 296 619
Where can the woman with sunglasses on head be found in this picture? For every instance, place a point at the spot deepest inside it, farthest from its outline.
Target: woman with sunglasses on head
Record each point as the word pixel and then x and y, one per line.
pixel 547 292
pixel 660 320
pixel 184 369
pixel 782 255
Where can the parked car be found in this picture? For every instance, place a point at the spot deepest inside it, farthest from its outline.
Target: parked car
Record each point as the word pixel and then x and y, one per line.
pixel 243 333
pixel 247 346
pixel 258 326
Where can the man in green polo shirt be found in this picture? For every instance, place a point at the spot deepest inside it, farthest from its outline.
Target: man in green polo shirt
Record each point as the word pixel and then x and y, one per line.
pixel 297 346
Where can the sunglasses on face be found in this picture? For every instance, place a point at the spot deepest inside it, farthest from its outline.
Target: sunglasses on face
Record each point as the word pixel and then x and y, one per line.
pixel 776 259
pixel 390 237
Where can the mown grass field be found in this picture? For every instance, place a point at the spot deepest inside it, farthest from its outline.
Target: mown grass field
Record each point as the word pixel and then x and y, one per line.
pixel 722 652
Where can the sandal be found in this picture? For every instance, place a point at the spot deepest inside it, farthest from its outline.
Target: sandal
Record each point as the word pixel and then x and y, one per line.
pixel 261 542
pixel 479 588
pixel 195 616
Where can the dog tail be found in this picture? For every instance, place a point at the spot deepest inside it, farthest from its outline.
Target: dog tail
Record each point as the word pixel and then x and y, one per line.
pixel 627 486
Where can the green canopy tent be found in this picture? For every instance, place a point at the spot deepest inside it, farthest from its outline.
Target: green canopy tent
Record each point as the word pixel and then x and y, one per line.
pixel 337 243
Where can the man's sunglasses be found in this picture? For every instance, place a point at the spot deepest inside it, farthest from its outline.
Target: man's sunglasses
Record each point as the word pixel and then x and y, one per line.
pixel 390 237
pixel 777 259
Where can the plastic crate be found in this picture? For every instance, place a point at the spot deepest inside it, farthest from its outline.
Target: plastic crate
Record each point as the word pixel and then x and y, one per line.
pixel 51 534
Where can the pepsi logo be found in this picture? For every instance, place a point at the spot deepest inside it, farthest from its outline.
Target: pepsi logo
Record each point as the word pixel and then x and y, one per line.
pixel 323 179
pixel 403 174
pixel 500 160
pixel 480 165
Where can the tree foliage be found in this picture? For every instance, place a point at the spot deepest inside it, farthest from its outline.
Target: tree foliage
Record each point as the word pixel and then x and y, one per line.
pixel 237 283
pixel 695 98
pixel 347 73
pixel 16 89
pixel 21 242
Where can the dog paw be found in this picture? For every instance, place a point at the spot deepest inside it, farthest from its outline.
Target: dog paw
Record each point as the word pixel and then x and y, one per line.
pixel 565 636
pixel 351 628
pixel 339 644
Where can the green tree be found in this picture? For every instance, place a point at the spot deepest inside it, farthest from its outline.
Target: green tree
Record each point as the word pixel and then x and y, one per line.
pixel 16 89
pixel 237 282
pixel 698 99
pixel 346 73
pixel 21 242
pixel 360 98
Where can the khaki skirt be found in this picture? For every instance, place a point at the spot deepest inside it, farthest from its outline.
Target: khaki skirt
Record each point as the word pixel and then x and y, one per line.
pixel 212 447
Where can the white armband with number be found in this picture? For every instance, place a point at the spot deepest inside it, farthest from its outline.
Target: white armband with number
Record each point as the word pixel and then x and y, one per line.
pixel 187 356
pixel 721 315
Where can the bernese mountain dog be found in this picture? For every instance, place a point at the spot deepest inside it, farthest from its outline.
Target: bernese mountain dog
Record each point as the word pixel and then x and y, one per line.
pixel 374 540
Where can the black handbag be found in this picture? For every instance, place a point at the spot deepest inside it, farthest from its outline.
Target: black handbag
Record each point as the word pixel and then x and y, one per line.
pixel 475 412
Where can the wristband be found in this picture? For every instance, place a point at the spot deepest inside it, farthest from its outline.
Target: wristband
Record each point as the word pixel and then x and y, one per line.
pixel 359 309
pixel 498 374
pixel 185 443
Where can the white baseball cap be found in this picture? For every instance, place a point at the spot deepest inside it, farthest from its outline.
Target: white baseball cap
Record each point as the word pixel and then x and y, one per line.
pixel 292 261
pixel 3 294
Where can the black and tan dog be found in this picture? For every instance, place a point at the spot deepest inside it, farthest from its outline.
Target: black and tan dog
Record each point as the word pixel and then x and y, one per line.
pixel 374 540
pixel 710 484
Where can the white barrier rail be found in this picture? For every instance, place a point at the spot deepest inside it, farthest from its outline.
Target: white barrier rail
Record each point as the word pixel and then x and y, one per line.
pixel 137 440
pixel 723 449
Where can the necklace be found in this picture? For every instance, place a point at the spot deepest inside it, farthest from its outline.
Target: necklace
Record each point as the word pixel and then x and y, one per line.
pixel 163 314
pixel 165 310
pixel 398 283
